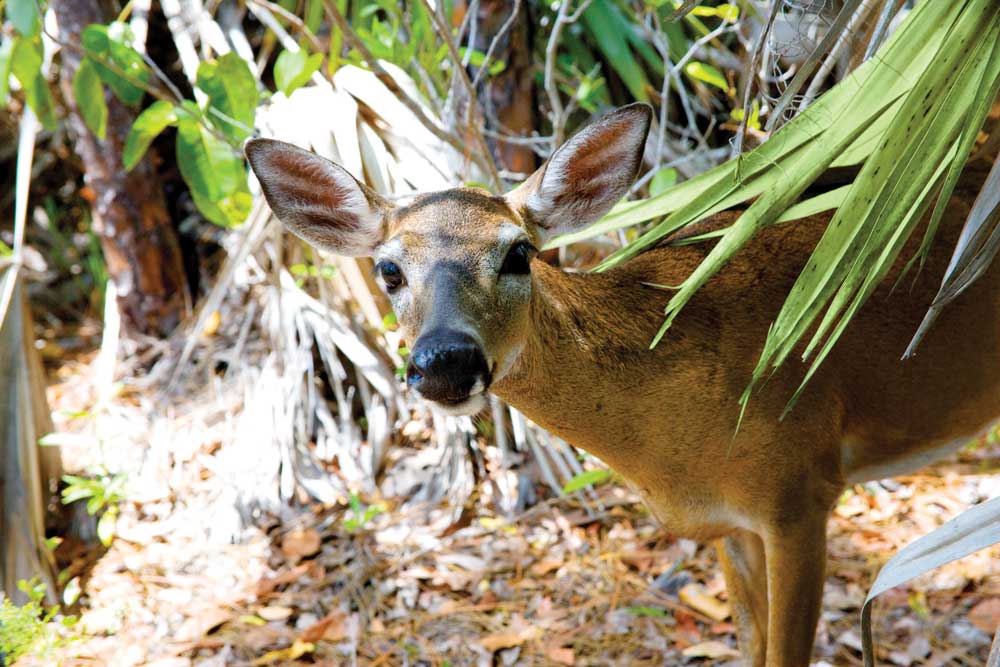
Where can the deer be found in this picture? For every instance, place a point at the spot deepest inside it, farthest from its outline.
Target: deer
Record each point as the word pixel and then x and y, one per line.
pixel 571 350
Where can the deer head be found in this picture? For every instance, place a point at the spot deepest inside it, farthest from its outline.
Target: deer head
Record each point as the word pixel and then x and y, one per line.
pixel 456 264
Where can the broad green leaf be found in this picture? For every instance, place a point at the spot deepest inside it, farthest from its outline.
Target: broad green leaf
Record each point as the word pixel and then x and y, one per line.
pixel 728 12
pixel 26 64
pixel 707 74
pixel 24 16
pixel 293 69
pixel 585 479
pixel 118 64
pixel 153 120
pixel 89 94
pixel 604 22
pixel 6 60
pixel 214 173
pixel 662 181
pixel 232 95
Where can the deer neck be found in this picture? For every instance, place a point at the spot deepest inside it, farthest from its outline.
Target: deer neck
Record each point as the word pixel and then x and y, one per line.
pixel 581 371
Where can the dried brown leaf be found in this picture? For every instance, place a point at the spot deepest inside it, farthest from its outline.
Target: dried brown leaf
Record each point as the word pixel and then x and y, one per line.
pixel 986 615
pixel 710 649
pixel 695 596
pixel 300 543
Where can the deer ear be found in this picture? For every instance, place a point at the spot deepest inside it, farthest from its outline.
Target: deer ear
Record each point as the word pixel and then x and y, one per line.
pixel 318 200
pixel 587 175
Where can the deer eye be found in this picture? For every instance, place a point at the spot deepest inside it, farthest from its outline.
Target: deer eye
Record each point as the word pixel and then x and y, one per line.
pixel 518 259
pixel 392 276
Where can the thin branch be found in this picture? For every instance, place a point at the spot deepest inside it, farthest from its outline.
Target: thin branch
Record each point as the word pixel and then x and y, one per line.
pixel 751 76
pixel 889 10
pixel 559 113
pixel 383 76
pixel 831 59
pixel 806 69
pixel 470 21
pixel 442 31
pixel 504 29
pixel 299 24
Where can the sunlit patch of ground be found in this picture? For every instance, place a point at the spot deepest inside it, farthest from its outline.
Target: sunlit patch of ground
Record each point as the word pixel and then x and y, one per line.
pixel 564 583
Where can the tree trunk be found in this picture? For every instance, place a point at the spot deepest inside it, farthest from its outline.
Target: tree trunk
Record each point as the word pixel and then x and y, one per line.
pixel 140 245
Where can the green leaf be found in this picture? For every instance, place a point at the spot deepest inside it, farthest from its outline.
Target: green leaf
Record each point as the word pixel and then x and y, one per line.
pixel 26 64
pixel 314 15
pixel 24 16
pixel 118 64
pixel 478 58
pixel 894 188
pixel 754 121
pixel 214 173
pixel 707 74
pixel 643 610
pixel 232 95
pixel 293 69
pixel 585 479
pixel 662 181
pixel 106 527
pixel 89 94
pixel 153 120
pixel 608 26
pixel 726 12
pixel 6 60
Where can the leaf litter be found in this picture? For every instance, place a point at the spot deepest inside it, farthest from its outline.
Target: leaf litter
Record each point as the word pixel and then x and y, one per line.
pixel 571 580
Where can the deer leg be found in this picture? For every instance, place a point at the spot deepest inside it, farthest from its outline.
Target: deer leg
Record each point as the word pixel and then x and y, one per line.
pixel 742 557
pixel 796 563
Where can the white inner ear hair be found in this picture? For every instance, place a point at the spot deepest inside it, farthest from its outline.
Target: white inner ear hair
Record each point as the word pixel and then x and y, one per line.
pixel 585 178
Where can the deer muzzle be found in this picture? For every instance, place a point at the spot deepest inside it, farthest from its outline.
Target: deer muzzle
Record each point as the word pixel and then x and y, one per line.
pixel 448 366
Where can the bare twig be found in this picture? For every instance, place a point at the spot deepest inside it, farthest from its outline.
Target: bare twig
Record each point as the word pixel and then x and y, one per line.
pixel 445 36
pixel 299 24
pixel 807 68
pixel 853 25
pixel 504 29
pixel 751 76
pixel 889 10
pixel 483 161
pixel 559 113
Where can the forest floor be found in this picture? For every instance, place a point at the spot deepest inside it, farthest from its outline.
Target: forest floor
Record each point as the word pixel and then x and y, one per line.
pixel 566 582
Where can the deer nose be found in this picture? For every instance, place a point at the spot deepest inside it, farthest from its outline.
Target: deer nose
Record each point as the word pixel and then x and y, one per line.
pixel 447 366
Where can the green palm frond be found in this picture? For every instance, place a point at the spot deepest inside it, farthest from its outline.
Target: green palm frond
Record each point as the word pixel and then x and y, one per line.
pixel 909 116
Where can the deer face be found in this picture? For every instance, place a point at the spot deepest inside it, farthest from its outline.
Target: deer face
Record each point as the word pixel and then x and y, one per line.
pixel 456 264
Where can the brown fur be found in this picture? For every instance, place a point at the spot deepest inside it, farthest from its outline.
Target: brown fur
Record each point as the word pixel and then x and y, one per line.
pixel 571 351
pixel 664 418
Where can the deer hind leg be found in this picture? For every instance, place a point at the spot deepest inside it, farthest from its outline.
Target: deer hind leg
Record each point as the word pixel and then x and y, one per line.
pixel 796 563
pixel 742 557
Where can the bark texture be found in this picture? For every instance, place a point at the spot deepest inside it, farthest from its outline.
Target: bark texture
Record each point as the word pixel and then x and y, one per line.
pixel 140 245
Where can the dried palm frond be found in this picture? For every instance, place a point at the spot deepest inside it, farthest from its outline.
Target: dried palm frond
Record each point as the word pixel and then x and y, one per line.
pixel 27 469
